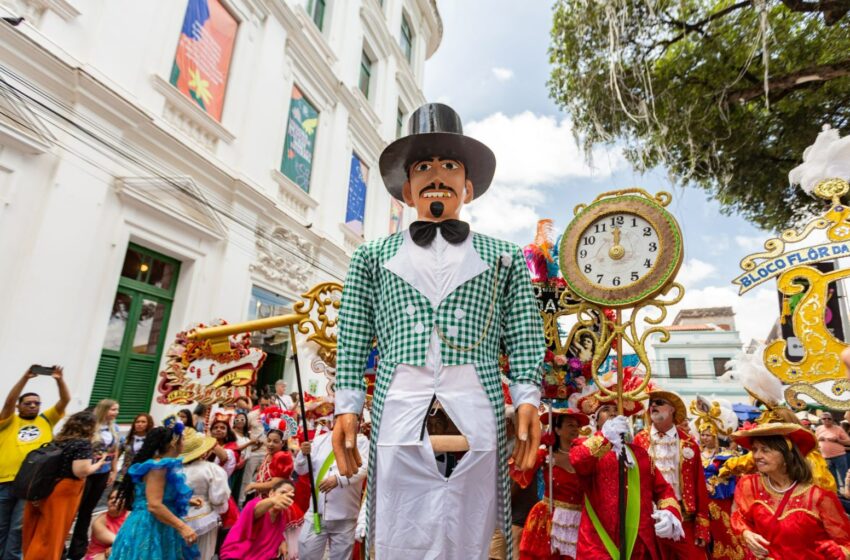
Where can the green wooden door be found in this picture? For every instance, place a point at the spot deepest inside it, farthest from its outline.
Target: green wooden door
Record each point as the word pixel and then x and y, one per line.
pixel 135 333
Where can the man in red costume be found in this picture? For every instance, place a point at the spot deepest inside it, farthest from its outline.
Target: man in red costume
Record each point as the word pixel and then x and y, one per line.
pixel 657 516
pixel 677 456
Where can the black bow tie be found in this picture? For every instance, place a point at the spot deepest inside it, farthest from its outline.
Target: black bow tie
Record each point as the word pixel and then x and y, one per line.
pixel 454 231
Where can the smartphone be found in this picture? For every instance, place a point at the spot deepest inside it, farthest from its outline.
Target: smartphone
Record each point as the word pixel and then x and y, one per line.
pixel 41 370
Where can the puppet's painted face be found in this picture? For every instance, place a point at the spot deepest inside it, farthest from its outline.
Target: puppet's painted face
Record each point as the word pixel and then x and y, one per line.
pixel 437 188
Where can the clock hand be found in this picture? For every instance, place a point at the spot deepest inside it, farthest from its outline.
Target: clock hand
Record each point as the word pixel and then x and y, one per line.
pixel 616 252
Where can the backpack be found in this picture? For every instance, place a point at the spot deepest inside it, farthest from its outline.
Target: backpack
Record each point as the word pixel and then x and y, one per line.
pixel 39 472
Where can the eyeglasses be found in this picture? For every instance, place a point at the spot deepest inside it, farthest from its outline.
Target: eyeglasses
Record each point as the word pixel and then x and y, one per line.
pixel 658 402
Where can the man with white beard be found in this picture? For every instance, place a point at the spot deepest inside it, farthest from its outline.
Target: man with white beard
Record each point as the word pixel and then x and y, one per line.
pixel 676 454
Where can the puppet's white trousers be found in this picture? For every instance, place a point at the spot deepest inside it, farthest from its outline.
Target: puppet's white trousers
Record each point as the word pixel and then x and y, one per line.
pixel 419 513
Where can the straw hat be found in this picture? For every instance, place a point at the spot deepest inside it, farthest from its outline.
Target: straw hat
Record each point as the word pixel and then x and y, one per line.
pixel 195 445
pixel 798 435
pixel 579 417
pixel 680 414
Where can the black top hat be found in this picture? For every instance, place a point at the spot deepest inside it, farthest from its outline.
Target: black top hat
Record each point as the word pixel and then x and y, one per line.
pixel 435 129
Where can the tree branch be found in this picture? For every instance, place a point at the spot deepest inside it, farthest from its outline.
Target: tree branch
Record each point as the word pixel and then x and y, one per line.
pixel 833 10
pixel 698 26
pixel 794 80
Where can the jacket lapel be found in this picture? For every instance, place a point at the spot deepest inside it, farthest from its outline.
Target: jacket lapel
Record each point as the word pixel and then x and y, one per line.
pixel 409 260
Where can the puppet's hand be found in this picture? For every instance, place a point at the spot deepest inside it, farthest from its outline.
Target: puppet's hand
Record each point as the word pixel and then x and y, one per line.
pixel 527 435
pixel 345 444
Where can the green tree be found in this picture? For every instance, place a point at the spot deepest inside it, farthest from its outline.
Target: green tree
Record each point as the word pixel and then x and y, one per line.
pixel 726 95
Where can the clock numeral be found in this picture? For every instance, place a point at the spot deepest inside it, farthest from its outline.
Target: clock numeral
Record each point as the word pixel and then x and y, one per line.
pixel 635 277
pixel 617 221
pixel 587 269
pixel 589 240
pixel 647 232
pixel 634 222
pixel 582 254
pixel 653 246
pixel 599 228
pixel 647 263
pixel 599 278
pixel 616 281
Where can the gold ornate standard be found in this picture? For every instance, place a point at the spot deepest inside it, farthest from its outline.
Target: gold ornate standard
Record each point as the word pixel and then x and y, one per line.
pixel 622 251
pixel 819 373
pixel 316 316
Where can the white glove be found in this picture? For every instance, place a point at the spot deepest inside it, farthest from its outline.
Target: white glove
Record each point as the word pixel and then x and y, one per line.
pixel 613 430
pixel 667 525
pixel 360 528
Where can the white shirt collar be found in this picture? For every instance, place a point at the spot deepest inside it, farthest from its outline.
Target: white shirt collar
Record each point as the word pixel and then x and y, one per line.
pixel 672 432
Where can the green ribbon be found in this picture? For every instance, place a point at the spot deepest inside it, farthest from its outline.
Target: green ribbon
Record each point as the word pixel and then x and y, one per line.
pixel 320 477
pixel 632 514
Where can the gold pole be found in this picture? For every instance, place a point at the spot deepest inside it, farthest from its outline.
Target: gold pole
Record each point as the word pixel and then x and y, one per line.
pixel 219 335
pixel 619 329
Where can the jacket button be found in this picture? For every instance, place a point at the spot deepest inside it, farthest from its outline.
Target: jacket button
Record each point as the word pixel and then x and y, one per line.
pixel 410 309
pixel 419 328
pixel 459 313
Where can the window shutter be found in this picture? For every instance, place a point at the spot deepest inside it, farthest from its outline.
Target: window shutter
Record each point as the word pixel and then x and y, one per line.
pixel 104 380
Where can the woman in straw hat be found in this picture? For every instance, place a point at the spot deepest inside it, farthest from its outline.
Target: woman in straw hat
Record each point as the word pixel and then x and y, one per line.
pixel 779 512
pixel 553 534
pixel 208 482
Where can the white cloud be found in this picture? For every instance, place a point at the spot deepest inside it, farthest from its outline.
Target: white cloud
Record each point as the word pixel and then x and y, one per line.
pixel 505 212
pixel 694 271
pixel 755 312
pixel 535 149
pixel 751 243
pixel 503 74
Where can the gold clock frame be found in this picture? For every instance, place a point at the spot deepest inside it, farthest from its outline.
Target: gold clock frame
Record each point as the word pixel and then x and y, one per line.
pixel 640 203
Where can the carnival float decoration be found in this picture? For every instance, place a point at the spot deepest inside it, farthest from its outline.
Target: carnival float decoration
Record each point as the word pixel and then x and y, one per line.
pixel 315 316
pixel 197 372
pixel 814 371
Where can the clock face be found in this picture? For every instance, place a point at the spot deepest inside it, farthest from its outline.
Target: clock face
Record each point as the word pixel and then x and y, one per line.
pixel 617 250
pixel 621 250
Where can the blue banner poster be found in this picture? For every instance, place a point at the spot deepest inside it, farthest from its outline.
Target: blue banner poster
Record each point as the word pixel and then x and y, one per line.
pixel 356 195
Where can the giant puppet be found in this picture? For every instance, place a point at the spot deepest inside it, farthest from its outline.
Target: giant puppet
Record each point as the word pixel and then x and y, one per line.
pixel 440 300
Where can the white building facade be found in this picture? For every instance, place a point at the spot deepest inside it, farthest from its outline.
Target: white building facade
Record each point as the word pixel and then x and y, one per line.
pixel 168 162
pixel 692 361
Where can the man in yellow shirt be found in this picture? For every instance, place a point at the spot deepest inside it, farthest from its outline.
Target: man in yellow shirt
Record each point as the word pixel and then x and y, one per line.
pixel 19 434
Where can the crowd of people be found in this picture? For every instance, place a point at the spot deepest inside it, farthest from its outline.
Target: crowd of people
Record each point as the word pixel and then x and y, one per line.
pixel 234 483
pixel 227 481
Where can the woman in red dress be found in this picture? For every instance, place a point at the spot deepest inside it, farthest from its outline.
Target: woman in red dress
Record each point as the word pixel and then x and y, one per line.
pixel 780 513
pixel 277 466
pixel 552 534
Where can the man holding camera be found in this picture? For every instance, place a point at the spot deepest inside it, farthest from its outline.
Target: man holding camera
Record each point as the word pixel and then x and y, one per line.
pixel 19 434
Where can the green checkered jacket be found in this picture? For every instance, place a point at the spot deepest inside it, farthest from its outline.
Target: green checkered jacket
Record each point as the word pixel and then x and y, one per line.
pixel 378 303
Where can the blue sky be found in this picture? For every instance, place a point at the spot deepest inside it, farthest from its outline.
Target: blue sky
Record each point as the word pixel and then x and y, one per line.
pixel 492 67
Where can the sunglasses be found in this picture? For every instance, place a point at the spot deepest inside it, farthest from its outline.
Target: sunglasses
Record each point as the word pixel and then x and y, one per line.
pixel 658 402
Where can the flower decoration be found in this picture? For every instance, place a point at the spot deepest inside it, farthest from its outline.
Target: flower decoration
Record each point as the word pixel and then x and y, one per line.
pixel 506 260
pixel 688 453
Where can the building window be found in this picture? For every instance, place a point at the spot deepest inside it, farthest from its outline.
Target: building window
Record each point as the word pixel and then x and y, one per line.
pixel 316 9
pixel 678 368
pixel 406 39
pixel 300 141
pixel 274 342
pixel 365 73
pixel 720 366
pixel 202 61
pixel 399 123
pixel 135 331
pixel 356 207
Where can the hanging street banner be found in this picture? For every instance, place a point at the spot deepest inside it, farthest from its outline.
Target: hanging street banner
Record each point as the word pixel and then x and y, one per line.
pixel 773 267
pixel 300 140
pixel 202 61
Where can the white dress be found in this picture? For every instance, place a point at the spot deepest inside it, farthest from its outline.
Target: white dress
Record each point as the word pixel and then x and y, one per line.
pixel 208 481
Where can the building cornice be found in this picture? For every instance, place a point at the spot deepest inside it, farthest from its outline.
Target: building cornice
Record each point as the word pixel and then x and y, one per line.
pixel 431 15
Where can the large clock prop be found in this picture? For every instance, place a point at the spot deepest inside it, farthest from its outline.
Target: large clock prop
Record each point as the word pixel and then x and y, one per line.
pixel 622 252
